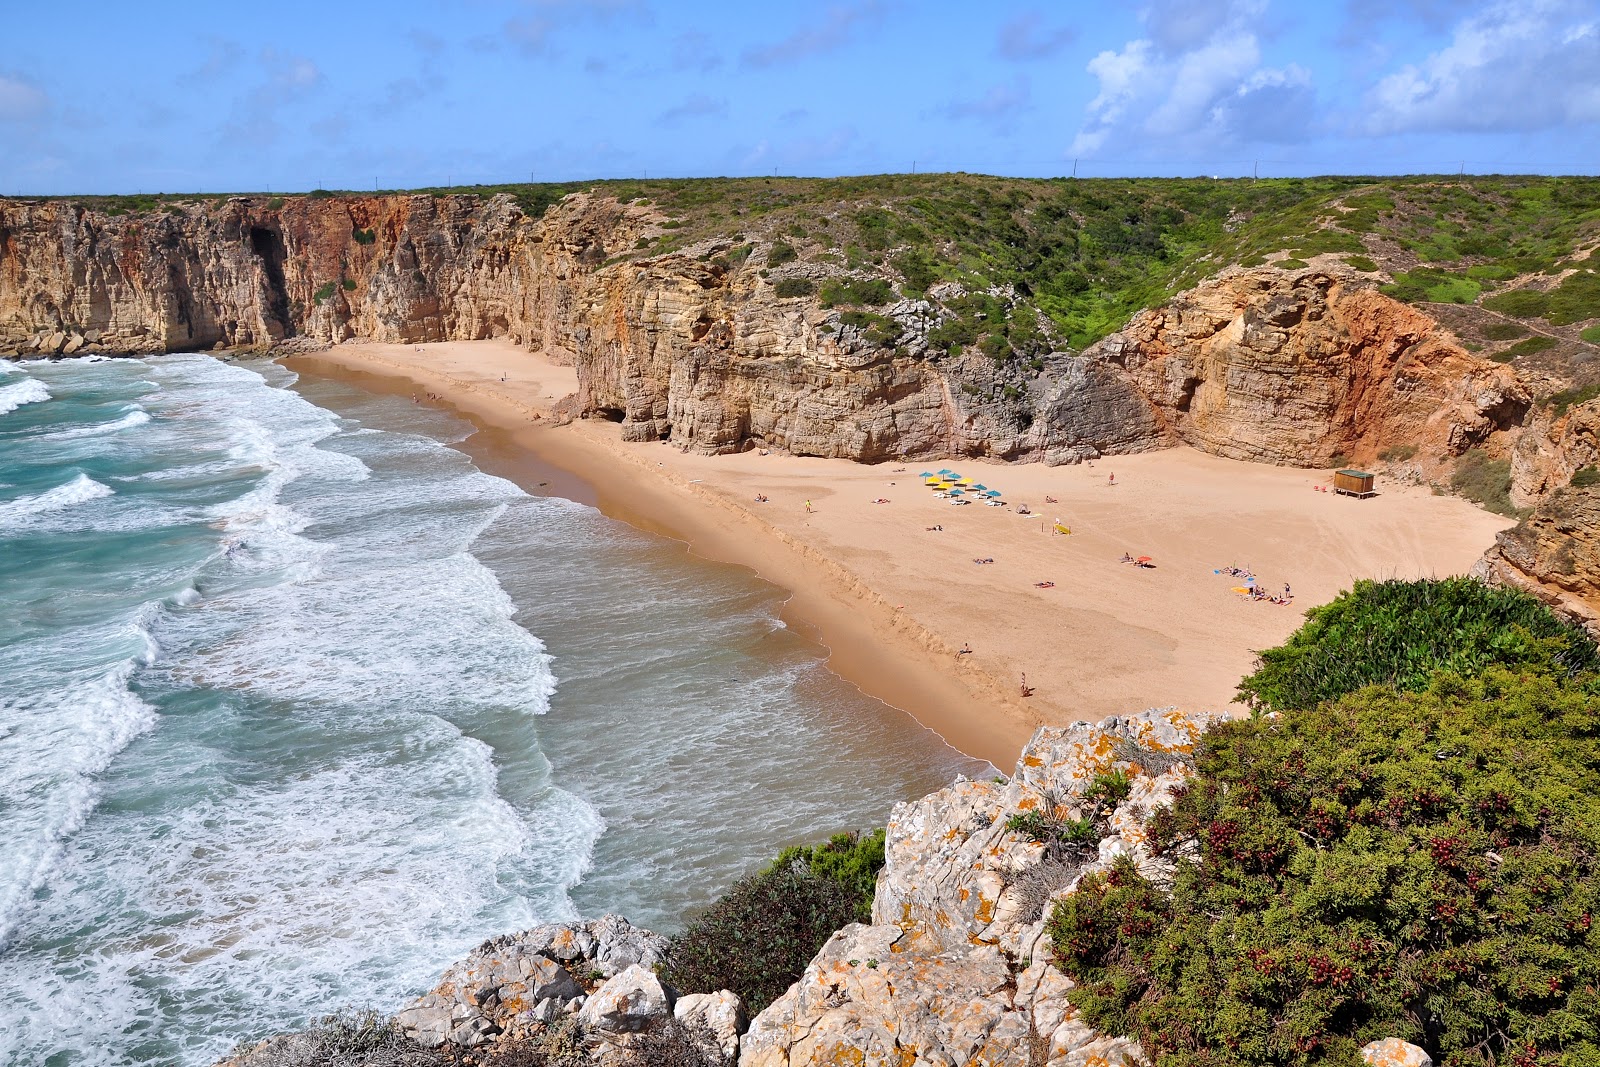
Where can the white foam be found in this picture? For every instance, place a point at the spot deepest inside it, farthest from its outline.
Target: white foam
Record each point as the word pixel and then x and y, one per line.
pixel 27 391
pixel 137 417
pixel 57 743
pixel 80 490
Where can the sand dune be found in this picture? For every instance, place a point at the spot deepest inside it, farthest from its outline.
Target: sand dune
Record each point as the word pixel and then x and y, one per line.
pixel 895 601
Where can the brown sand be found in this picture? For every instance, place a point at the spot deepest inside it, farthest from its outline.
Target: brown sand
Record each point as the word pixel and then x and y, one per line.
pixel 894 602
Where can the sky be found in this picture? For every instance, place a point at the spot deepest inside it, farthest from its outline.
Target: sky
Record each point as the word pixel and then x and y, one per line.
pixel 349 94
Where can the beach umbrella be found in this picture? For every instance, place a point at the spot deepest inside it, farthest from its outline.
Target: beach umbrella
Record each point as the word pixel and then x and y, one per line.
pixel 993 492
pixel 925 474
pixel 979 486
pixel 957 492
pixel 947 470
pixel 933 481
pixel 1144 559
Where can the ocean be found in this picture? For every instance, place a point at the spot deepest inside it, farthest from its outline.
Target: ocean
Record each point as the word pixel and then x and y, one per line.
pixel 297 706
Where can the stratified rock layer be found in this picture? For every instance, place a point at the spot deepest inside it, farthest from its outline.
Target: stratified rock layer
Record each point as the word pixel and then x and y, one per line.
pixel 1554 554
pixel 1283 367
pixel 1310 368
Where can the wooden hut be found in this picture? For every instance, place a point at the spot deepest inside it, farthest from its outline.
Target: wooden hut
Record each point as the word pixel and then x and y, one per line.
pixel 1353 483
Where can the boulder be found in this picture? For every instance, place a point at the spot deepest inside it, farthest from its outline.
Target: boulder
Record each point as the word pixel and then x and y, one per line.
pixel 1392 1052
pixel 632 1001
pixel 720 1016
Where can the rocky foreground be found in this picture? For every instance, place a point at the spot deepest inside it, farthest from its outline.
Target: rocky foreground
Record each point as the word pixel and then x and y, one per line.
pixel 954 968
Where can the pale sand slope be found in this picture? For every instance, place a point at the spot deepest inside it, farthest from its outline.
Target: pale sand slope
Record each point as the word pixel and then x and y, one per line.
pixel 894 601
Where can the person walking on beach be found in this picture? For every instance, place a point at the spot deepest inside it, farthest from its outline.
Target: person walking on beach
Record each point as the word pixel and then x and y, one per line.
pixel 1025 690
pixel 1113 478
pixel 808 507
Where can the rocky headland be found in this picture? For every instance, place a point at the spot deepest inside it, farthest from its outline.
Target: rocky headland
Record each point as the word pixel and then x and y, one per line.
pixel 955 967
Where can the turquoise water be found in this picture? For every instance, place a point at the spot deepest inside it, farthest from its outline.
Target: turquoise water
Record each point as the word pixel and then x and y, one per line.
pixel 297 706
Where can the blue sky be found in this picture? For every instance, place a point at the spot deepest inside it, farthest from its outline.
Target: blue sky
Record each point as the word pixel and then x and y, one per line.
pixel 160 96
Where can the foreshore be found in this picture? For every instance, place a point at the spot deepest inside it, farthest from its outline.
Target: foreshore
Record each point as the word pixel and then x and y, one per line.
pixel 894 590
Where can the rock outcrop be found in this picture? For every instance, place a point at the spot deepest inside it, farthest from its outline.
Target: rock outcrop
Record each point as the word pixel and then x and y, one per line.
pixel 955 966
pixel 953 971
pixel 695 346
pixel 1310 368
pixel 1554 554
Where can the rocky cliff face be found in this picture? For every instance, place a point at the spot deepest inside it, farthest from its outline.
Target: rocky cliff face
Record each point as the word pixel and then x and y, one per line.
pixel 1554 553
pixel 1311 368
pixel 1283 367
pixel 953 969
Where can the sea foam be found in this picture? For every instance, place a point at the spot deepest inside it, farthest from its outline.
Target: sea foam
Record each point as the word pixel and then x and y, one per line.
pixel 27 391
pixel 80 490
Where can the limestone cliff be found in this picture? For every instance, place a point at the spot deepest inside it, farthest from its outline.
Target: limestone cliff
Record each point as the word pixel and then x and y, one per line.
pixel 698 345
pixel 1311 368
pixel 1554 553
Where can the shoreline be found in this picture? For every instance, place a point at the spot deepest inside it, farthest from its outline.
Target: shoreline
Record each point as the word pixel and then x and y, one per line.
pixel 840 613
pixel 891 593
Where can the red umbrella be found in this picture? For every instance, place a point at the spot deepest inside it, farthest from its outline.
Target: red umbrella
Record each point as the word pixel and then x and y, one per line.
pixel 1143 559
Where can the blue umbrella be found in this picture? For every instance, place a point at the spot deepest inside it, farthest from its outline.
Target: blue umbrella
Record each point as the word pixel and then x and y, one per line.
pixel 925 474
pixel 993 492
pixel 955 492
pixel 980 487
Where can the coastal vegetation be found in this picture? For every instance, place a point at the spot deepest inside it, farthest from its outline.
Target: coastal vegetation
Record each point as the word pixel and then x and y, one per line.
pixel 758 937
pixel 1406 846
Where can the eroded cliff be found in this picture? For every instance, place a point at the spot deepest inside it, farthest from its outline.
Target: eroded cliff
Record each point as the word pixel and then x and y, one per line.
pixel 697 345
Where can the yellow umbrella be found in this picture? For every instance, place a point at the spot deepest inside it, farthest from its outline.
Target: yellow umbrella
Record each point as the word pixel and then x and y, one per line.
pixel 963 481
pixel 934 481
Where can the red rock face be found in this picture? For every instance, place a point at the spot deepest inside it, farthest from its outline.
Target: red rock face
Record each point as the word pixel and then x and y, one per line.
pixel 1306 368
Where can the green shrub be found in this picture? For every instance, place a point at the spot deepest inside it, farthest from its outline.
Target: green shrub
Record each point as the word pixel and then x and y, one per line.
pixel 364 237
pixel 1484 480
pixel 780 253
pixel 917 268
pixel 1537 343
pixel 849 859
pixel 349 285
pixel 1586 478
pixel 757 939
pixel 1591 334
pixel 790 287
pixel 869 293
pixel 322 194
pixel 1567 399
pixel 326 290
pixel 1413 865
pixel 1361 263
pixel 1504 331
pixel 1400 634
pixel 1425 284
pixel 1520 303
pixel 275 203
pixel 1291 264
pixel 1397 453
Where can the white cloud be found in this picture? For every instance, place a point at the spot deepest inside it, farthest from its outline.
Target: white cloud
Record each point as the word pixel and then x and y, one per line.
pixel 1529 65
pixel 20 101
pixel 1194 82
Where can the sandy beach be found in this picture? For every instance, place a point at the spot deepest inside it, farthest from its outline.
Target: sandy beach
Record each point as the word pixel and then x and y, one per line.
pixel 895 602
